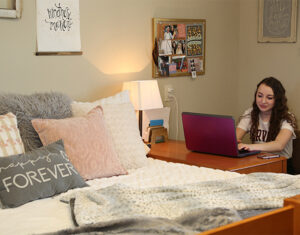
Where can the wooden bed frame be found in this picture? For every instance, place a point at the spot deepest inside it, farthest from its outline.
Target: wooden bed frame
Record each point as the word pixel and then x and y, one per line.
pixel 285 221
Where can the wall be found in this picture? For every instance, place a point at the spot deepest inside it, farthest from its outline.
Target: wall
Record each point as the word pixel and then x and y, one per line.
pixel 116 40
pixel 260 60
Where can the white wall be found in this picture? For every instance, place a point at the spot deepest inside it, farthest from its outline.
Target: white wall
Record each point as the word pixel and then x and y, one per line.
pixel 260 60
pixel 117 42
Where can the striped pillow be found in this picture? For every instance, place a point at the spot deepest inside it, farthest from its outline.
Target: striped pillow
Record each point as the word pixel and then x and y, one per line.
pixel 10 139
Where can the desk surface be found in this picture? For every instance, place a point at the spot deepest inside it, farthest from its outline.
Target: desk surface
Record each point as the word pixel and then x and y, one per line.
pixel 176 151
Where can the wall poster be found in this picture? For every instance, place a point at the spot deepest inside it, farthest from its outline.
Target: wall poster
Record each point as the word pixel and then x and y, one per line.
pixel 179 47
pixel 58 27
pixel 277 21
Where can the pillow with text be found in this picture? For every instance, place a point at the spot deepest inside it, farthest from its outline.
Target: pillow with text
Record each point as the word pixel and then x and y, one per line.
pixel 41 173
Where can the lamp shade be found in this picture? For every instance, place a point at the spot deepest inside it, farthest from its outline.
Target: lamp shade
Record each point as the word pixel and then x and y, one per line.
pixel 144 94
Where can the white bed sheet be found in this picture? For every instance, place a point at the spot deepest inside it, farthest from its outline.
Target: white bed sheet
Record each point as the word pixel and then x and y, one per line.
pixel 49 215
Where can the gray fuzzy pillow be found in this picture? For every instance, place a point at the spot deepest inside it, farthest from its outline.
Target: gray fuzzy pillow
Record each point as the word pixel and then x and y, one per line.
pixel 52 105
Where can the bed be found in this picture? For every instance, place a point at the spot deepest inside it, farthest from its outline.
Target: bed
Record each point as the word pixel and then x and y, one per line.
pixel 120 190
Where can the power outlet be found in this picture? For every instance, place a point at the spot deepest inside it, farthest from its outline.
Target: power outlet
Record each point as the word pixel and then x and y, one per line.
pixel 168 90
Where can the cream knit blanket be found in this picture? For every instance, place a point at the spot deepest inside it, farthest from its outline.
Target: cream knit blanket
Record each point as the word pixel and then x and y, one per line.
pixel 252 191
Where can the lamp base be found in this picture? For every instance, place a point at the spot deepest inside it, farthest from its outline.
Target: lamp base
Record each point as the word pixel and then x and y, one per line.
pixel 141 122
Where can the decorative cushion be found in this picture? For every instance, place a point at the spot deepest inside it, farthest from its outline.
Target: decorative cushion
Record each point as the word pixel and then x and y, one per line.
pixel 119 115
pixel 38 105
pixel 10 139
pixel 82 108
pixel 87 142
pixel 147 149
pixel 122 123
pixel 40 173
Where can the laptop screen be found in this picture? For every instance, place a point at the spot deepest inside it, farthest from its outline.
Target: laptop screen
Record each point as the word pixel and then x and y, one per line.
pixel 209 133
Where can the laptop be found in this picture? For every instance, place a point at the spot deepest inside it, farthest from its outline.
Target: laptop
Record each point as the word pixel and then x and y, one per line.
pixel 214 134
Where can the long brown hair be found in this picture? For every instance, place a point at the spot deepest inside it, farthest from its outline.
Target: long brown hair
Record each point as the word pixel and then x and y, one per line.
pixel 280 111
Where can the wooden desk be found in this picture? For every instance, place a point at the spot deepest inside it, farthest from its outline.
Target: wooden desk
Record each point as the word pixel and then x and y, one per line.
pixel 176 151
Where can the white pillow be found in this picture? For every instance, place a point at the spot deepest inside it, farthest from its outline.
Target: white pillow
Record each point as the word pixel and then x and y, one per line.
pixel 82 108
pixel 119 98
pixel 120 118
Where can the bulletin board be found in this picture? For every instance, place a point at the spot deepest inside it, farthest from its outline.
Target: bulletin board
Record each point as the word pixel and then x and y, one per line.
pixel 178 47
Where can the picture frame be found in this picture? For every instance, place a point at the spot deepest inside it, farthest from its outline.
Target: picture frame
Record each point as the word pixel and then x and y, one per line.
pixel 277 21
pixel 58 28
pixel 14 12
pixel 178 47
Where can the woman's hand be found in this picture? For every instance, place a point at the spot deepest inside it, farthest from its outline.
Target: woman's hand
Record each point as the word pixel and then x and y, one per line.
pixel 250 147
pixel 242 146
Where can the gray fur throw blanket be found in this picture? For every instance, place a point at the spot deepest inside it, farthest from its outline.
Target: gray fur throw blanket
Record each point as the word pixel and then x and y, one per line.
pixel 110 205
pixel 38 105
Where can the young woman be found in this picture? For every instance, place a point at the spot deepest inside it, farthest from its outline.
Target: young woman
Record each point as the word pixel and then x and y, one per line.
pixel 269 122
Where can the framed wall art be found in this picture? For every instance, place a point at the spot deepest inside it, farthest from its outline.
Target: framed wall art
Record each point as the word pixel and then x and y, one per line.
pixel 277 20
pixel 10 9
pixel 178 47
pixel 58 27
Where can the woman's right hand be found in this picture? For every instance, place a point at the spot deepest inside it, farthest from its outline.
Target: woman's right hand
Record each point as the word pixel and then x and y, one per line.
pixel 242 146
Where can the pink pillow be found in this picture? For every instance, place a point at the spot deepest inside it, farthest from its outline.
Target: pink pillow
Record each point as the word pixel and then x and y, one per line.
pixel 87 142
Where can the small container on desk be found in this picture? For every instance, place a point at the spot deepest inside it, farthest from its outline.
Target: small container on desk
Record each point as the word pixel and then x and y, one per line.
pixel 158 134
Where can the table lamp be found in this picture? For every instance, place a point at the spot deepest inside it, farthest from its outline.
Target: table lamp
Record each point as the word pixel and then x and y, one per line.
pixel 144 94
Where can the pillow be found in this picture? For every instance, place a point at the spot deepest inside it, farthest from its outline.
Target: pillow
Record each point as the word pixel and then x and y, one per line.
pixel 87 142
pixel 122 123
pixel 10 139
pixel 40 173
pixel 147 149
pixel 38 105
pixel 82 108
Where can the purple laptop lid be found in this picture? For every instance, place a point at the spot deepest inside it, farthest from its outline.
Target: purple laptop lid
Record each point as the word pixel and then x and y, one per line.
pixel 208 133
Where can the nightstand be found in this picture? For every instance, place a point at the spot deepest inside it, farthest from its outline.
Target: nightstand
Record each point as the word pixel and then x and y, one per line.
pixel 176 151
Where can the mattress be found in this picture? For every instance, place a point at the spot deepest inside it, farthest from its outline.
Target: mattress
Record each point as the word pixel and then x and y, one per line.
pixel 50 214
